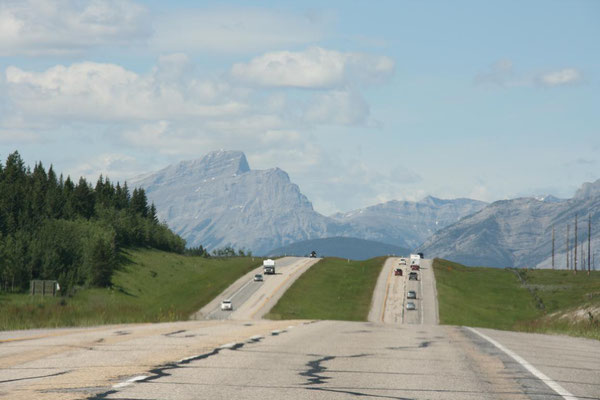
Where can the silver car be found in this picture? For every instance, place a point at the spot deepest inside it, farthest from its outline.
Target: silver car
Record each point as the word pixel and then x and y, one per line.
pixel 411 306
pixel 258 278
pixel 226 305
pixel 411 294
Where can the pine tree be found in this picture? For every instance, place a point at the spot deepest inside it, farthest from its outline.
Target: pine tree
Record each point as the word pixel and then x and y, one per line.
pixel 139 203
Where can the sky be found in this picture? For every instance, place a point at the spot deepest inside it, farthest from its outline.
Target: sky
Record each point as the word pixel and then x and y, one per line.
pixel 359 102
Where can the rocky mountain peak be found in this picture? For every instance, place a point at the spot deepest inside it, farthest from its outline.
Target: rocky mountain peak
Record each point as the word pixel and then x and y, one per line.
pixel 588 190
pixel 222 162
pixel 433 201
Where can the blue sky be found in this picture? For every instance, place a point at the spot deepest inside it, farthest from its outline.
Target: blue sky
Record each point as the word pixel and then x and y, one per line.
pixel 359 103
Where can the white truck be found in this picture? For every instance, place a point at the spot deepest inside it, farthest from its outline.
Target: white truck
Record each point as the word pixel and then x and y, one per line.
pixel 415 259
pixel 269 267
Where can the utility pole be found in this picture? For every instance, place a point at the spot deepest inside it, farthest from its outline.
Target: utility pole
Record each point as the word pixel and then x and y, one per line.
pixel 568 246
pixel 553 247
pixel 575 247
pixel 589 240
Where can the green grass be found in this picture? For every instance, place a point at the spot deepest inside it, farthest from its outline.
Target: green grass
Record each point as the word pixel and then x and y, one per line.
pixel 152 286
pixel 331 289
pixel 497 298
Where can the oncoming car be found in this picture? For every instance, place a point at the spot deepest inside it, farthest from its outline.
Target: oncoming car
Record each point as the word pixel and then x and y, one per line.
pixel 258 278
pixel 413 276
pixel 226 305
pixel 411 306
pixel 411 294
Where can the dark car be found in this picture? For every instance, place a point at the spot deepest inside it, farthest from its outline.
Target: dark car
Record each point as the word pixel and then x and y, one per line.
pixel 398 271
pixel 415 267
pixel 413 276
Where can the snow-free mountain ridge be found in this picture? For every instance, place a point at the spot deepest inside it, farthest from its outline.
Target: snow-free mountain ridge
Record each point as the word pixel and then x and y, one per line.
pixel 219 201
pixel 518 232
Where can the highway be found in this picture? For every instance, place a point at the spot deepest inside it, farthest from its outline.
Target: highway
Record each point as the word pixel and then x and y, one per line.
pixel 390 297
pixel 252 300
pixel 293 360
pixel 398 354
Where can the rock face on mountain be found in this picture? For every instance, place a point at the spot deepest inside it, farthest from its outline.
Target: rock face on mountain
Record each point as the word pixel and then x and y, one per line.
pixel 518 233
pixel 406 223
pixel 219 201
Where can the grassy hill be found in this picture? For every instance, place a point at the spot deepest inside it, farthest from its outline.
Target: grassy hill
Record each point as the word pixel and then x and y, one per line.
pixel 543 301
pixel 331 289
pixel 151 286
pixel 343 247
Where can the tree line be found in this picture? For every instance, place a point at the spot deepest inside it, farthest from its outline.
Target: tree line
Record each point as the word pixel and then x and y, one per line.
pixel 54 228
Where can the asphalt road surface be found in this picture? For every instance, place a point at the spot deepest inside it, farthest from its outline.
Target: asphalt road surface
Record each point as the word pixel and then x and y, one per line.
pixel 252 300
pixel 400 355
pixel 390 296
pixel 292 360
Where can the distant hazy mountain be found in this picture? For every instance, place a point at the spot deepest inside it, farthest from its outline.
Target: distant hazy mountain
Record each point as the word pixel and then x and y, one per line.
pixel 518 233
pixel 548 198
pixel 406 223
pixel 344 247
pixel 218 201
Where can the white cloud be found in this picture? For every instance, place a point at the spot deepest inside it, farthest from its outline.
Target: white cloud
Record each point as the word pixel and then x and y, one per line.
pixel 14 137
pixel 103 92
pixel 502 73
pixel 42 27
pixel 314 68
pixel 235 30
pixel 338 107
pixel 562 77
pixel 115 166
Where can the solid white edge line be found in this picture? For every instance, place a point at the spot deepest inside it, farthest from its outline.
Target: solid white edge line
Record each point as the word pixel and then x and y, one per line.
pixel 129 381
pixel 538 374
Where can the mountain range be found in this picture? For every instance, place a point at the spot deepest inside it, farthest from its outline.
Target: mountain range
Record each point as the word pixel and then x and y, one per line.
pixel 219 201
pixel 518 232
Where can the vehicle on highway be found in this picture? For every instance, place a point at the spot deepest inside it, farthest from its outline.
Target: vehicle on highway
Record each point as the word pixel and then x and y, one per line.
pixel 398 271
pixel 411 294
pixel 411 306
pixel 269 267
pixel 413 276
pixel 258 278
pixel 313 254
pixel 402 262
pixel 415 267
pixel 226 305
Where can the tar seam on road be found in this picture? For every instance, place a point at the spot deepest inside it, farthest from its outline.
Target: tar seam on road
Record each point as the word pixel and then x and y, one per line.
pixel 538 374
pixel 314 369
pixel 160 372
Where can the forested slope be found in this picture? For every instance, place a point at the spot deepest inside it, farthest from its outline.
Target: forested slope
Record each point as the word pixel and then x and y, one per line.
pixel 53 228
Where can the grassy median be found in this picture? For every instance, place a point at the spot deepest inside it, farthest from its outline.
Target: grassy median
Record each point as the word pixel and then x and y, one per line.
pixel 333 288
pixel 543 301
pixel 151 286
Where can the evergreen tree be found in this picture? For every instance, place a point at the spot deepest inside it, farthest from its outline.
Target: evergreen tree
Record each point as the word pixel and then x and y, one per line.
pixel 139 203
pixel 83 199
